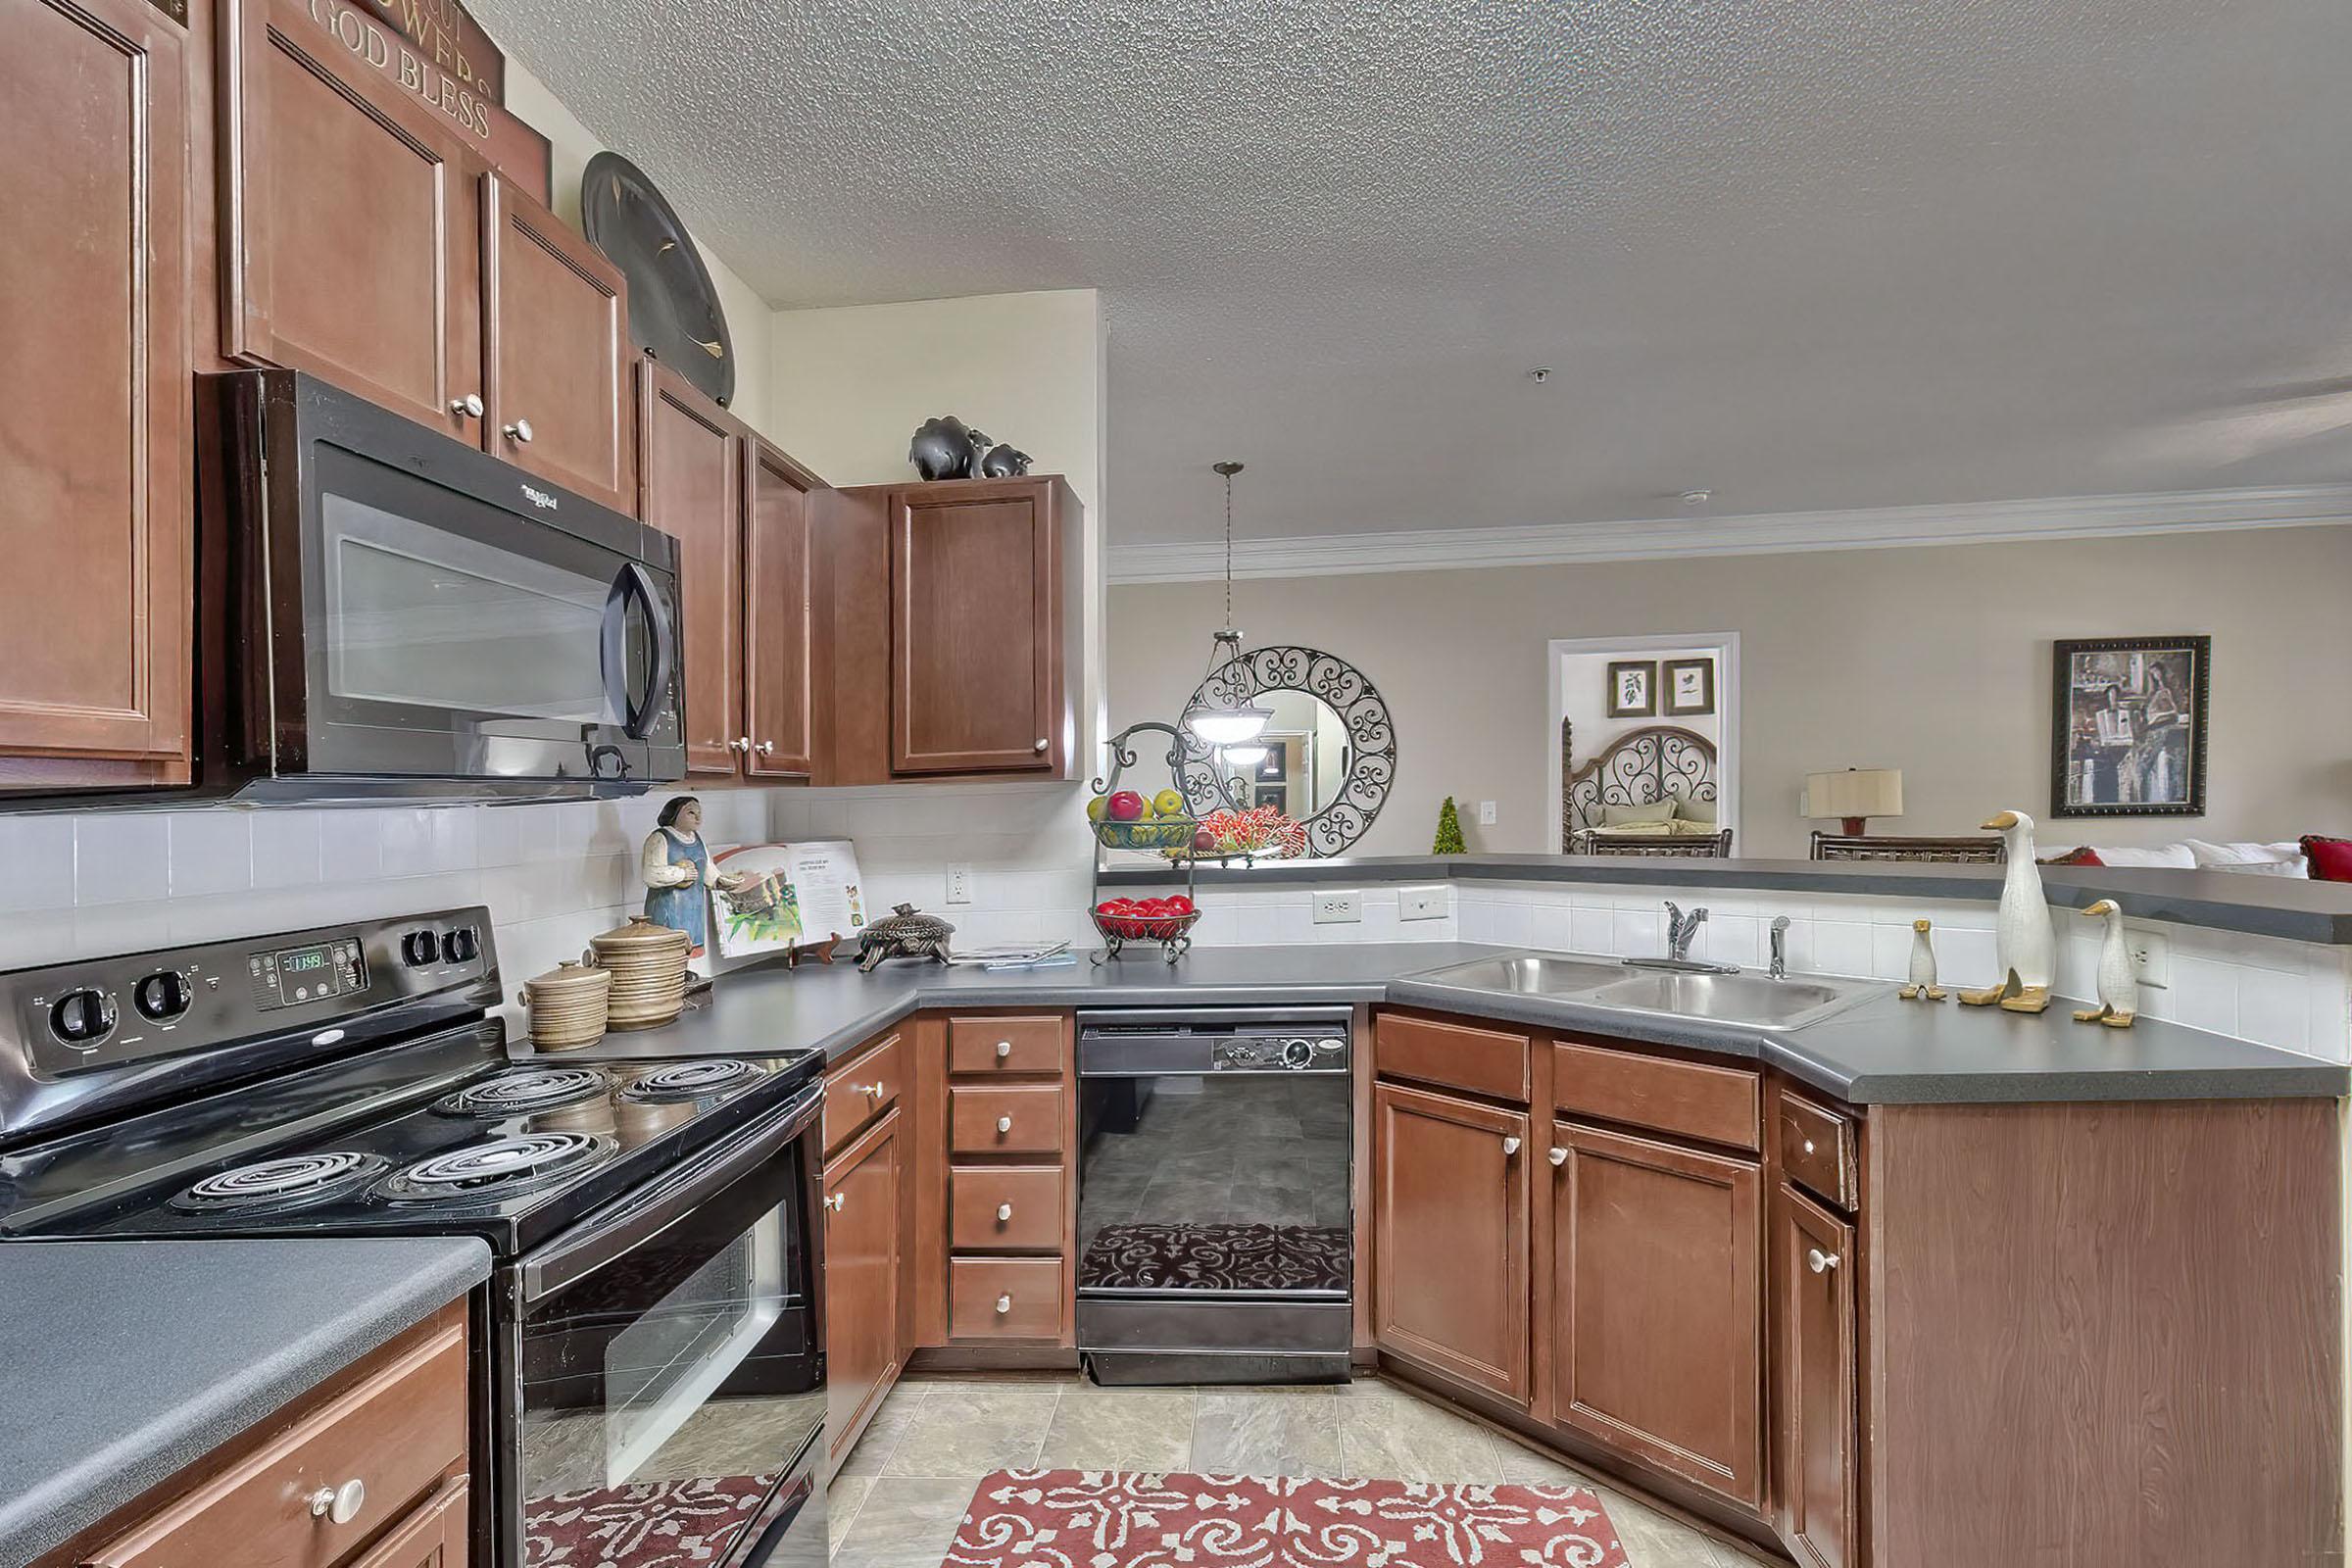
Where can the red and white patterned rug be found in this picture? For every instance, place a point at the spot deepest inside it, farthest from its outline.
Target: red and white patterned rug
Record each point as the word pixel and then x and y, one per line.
pixel 1130 1519
pixel 654 1524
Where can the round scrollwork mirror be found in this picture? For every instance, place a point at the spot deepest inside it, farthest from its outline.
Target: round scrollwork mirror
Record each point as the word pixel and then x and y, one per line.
pixel 1331 747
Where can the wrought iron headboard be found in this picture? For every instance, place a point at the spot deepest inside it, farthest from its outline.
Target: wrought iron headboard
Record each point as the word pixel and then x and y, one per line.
pixel 1640 768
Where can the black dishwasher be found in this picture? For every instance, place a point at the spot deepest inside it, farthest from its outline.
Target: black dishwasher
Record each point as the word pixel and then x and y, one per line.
pixel 1215 1197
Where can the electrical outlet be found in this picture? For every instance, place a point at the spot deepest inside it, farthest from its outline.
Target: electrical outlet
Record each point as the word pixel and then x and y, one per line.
pixel 1421 904
pixel 1339 909
pixel 960 884
pixel 2151 956
pixel 1486 813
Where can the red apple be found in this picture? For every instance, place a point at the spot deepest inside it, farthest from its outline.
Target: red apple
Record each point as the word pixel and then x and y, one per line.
pixel 1126 807
pixel 1180 905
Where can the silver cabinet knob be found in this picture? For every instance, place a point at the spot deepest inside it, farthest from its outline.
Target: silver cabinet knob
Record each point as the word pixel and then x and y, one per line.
pixel 519 431
pixel 765 748
pixel 339 1505
pixel 1003 1305
pixel 1510 1147
pixel 1003 1124
pixel 1808 1145
pixel 837 1201
pixel 1819 1261
pixel 1003 1211
pixel 1558 1157
pixel 741 743
pixel 1004 1049
pixel 471 406
pixel 1042 747
pixel 872 1090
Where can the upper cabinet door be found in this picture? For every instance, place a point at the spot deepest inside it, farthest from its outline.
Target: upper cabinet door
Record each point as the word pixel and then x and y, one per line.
pixel 94 442
pixel 690 486
pixel 555 336
pixel 350 224
pixel 1658 1304
pixel 976 627
pixel 778 649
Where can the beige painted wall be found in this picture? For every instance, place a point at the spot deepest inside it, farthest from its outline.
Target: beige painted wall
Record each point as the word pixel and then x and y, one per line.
pixel 1934 661
pixel 847 387
pixel 570 145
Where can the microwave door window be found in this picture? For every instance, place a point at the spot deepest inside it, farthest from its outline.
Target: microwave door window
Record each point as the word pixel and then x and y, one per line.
pixel 424 618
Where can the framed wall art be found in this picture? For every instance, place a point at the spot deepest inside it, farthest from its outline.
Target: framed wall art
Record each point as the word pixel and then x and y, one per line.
pixel 1690 687
pixel 2128 719
pixel 1633 688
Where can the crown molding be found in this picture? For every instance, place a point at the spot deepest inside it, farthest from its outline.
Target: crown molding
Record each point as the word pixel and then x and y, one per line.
pixel 1763 533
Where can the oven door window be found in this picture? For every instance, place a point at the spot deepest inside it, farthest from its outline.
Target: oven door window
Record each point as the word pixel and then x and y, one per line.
pixel 1224 1184
pixel 667 1393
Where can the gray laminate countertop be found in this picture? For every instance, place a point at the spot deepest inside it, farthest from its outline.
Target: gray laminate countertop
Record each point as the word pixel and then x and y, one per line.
pixel 1882 1050
pixel 123 1362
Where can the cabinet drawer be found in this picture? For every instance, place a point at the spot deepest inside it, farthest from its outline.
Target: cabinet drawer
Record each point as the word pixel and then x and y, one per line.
pixel 1484 1061
pixel 1004 1297
pixel 1692 1099
pixel 1004 1045
pixel 1004 1119
pixel 1006 1209
pixel 395 1432
pixel 1818 1153
pixel 864 1087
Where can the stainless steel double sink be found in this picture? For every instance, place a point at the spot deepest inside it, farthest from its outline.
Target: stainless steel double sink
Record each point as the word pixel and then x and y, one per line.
pixel 1747 1000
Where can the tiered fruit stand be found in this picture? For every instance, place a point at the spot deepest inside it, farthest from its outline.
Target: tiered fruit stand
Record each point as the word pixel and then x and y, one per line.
pixel 1156 834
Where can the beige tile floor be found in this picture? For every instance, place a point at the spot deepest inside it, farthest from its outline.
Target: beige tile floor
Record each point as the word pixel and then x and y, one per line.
pixel 902 1491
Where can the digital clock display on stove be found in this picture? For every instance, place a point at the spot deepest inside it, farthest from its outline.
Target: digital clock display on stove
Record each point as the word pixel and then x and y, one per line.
pixel 314 973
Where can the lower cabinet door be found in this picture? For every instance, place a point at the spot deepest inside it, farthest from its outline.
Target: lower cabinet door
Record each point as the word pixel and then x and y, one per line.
pixel 1450 1281
pixel 1816 1395
pixel 863 1345
pixel 1656 1253
pixel 433 1537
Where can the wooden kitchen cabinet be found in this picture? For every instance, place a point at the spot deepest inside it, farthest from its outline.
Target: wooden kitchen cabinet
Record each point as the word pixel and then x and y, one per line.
pixel 1816 1398
pixel 864 1269
pixel 351 241
pixel 1658 1306
pixel 556 350
pixel 95 441
pixel 742 513
pixel 1449 1248
pixel 391 1431
pixel 973 590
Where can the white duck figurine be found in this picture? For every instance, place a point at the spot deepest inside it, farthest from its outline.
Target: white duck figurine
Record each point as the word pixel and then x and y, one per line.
pixel 2118 987
pixel 2025 946
pixel 1923 986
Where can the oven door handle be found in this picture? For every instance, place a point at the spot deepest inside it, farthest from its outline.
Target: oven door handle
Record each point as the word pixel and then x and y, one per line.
pixel 599 1240
pixel 636 582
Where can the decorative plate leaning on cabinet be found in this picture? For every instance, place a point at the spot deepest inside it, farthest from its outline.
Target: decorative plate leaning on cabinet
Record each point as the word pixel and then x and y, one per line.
pixel 673 307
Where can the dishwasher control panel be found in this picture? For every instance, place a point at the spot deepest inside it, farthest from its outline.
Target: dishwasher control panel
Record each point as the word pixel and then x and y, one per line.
pixel 1136 1042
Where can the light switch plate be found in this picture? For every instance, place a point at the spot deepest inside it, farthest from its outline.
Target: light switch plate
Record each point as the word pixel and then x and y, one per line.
pixel 1421 904
pixel 960 884
pixel 1339 909
pixel 2151 956
pixel 1486 813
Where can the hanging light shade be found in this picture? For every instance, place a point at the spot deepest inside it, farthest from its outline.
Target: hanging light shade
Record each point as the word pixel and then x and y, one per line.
pixel 1237 723
pixel 1247 754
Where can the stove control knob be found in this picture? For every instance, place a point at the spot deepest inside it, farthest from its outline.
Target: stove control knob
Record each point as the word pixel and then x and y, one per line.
pixel 419 948
pixel 461 944
pixel 82 1017
pixel 1297 1054
pixel 164 996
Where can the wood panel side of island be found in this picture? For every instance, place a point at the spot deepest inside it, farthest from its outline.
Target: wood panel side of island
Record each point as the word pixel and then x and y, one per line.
pixel 2106 1334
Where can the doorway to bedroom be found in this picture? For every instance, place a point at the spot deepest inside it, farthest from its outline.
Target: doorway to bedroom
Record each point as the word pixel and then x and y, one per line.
pixel 1637 719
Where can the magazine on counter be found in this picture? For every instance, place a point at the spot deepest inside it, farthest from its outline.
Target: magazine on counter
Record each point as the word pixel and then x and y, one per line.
pixel 769 897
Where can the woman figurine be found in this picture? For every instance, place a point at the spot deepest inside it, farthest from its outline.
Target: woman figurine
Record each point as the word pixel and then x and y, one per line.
pixel 676 870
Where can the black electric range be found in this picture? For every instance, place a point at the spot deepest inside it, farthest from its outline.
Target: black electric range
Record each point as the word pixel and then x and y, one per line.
pixel 649 1351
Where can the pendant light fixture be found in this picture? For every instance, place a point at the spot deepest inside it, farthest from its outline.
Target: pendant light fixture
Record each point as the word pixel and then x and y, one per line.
pixel 1237 725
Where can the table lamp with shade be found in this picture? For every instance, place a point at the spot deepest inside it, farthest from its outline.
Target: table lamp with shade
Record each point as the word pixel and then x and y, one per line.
pixel 1855 795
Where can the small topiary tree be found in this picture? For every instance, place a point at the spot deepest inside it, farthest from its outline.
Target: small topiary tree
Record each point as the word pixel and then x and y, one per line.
pixel 1449 831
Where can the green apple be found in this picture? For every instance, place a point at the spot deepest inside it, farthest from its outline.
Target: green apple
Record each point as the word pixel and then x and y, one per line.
pixel 1097 807
pixel 1168 802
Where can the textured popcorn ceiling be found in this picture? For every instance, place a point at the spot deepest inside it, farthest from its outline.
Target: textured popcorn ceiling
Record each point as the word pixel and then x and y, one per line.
pixel 1810 254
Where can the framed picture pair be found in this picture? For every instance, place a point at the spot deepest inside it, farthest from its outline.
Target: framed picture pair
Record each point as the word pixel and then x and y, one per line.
pixel 1689 688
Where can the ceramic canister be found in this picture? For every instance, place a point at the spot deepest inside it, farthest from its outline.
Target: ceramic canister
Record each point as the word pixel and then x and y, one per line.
pixel 648 962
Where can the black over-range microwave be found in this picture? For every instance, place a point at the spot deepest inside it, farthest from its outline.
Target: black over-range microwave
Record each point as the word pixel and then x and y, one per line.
pixel 390 612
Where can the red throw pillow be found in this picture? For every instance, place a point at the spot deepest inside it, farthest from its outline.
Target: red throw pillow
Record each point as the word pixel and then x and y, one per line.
pixel 2330 860
pixel 2085 855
